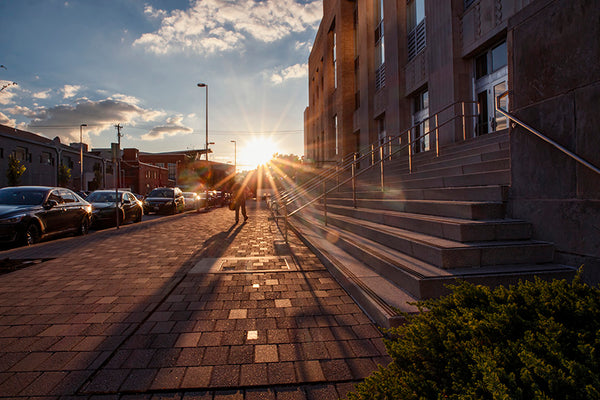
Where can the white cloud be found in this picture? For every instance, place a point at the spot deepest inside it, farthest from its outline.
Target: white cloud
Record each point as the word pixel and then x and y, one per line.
pixel 8 91
pixel 42 95
pixel 219 25
pixel 173 127
pixel 70 90
pixel 5 120
pixel 291 72
pixel 154 13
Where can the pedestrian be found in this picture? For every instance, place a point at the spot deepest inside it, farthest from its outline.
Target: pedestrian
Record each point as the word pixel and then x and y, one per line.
pixel 239 198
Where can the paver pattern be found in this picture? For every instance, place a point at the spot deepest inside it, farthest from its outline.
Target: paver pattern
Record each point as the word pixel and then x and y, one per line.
pixel 132 314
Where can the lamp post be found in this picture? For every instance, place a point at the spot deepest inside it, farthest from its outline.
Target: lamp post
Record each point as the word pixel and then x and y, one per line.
pixel 81 155
pixel 204 85
pixel 234 156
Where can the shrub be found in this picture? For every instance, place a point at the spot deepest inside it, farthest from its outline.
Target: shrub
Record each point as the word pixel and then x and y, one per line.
pixel 535 340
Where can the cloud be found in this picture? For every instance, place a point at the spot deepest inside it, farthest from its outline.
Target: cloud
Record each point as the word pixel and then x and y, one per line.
pixel 154 13
pixel 70 90
pixel 8 91
pixel 42 95
pixel 5 120
pixel 291 72
pixel 220 25
pixel 173 127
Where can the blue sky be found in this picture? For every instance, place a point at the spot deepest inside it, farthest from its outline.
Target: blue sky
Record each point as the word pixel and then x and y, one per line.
pixel 137 63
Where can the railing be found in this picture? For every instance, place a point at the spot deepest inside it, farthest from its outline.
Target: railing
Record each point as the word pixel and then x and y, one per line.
pixel 374 157
pixel 541 136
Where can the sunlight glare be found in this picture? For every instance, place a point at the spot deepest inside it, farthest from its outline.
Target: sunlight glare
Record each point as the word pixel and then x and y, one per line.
pixel 257 152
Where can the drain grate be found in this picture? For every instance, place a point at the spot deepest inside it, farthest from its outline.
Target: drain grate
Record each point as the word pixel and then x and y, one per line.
pixel 8 265
pixel 243 264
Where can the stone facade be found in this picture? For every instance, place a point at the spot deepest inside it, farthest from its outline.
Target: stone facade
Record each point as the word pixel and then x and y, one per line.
pixel 556 90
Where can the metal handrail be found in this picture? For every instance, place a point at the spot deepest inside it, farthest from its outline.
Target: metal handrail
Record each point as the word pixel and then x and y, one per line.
pixel 541 136
pixel 321 179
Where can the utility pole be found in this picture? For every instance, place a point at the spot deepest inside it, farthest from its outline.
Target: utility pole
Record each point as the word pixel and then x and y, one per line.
pixel 118 157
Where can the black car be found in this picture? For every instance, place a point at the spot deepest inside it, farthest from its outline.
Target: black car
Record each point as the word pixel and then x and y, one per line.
pixel 104 207
pixel 29 214
pixel 165 201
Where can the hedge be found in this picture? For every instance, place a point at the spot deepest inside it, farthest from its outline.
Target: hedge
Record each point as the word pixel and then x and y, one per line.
pixel 534 340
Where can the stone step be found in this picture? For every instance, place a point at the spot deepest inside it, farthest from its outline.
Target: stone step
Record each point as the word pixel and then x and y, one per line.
pixel 456 229
pixel 494 193
pixel 444 253
pixel 464 160
pixel 501 177
pixel 400 278
pixel 456 209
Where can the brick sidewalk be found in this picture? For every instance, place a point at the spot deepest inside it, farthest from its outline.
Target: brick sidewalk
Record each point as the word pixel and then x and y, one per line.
pixel 183 307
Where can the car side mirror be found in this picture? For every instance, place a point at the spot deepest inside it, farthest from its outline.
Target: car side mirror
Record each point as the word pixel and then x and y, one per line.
pixel 50 204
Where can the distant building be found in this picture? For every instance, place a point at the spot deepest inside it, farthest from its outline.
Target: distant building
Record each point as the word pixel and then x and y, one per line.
pixel 43 158
pixel 189 170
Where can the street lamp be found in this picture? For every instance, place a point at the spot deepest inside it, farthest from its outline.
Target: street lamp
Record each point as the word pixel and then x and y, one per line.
pixel 204 85
pixel 81 155
pixel 234 156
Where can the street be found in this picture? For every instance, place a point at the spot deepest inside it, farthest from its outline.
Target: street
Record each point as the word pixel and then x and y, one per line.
pixel 183 306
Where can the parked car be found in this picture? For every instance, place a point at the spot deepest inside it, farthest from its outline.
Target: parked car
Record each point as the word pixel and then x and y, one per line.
pixel 164 200
pixel 104 207
pixel 192 201
pixel 29 214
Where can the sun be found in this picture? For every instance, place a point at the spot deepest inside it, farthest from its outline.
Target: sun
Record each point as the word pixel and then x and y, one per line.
pixel 257 152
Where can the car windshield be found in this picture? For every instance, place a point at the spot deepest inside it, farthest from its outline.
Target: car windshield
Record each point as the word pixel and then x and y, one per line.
pixel 102 197
pixel 188 195
pixel 161 193
pixel 21 197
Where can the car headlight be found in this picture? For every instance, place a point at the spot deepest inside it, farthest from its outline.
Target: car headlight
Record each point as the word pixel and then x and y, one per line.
pixel 12 220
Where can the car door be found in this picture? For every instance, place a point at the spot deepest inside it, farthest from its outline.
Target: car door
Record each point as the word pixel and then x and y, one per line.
pixel 53 217
pixel 128 206
pixel 73 210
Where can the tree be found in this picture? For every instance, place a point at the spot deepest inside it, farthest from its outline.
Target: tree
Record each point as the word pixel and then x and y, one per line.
pixel 535 340
pixel 15 170
pixel 64 175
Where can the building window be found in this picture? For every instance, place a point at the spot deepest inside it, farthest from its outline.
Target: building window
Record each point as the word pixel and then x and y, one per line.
pixel 334 57
pixel 467 3
pixel 421 122
pixel 20 153
pixel 336 132
pixel 415 21
pixel 381 132
pixel 379 46
pixel 1 152
pixel 356 83
pixel 46 158
pixel 491 77
pixel 172 171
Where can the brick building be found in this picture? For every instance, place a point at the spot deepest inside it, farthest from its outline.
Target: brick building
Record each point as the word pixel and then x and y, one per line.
pixel 43 157
pixel 381 68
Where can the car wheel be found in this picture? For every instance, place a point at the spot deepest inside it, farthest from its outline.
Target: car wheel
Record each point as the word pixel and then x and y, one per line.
pixel 32 235
pixel 84 227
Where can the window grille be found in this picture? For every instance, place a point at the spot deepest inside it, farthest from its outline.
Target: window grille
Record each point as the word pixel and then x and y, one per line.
pixel 416 40
pixel 380 77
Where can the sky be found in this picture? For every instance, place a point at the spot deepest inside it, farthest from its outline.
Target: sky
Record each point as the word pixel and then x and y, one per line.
pixel 137 63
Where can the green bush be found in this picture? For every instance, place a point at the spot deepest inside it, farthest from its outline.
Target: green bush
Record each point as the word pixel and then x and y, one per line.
pixel 535 340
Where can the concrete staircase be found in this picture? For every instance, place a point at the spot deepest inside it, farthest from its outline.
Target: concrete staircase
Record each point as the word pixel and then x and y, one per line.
pixel 442 222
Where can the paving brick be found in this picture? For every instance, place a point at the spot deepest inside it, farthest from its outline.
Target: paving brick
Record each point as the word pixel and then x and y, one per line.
pixel 139 380
pixel 225 376
pixel 266 353
pixel 197 377
pixel 168 378
pixel 281 373
pixel 253 374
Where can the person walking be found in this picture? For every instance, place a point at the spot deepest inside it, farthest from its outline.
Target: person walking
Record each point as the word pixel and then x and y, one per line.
pixel 239 197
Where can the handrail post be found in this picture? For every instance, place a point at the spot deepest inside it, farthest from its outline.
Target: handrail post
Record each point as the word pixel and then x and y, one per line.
pixel 410 144
pixel 389 149
pixel 381 165
pixel 286 221
pixel 324 204
pixel 437 137
pixel 464 121
pixel 372 154
pixel 354 181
